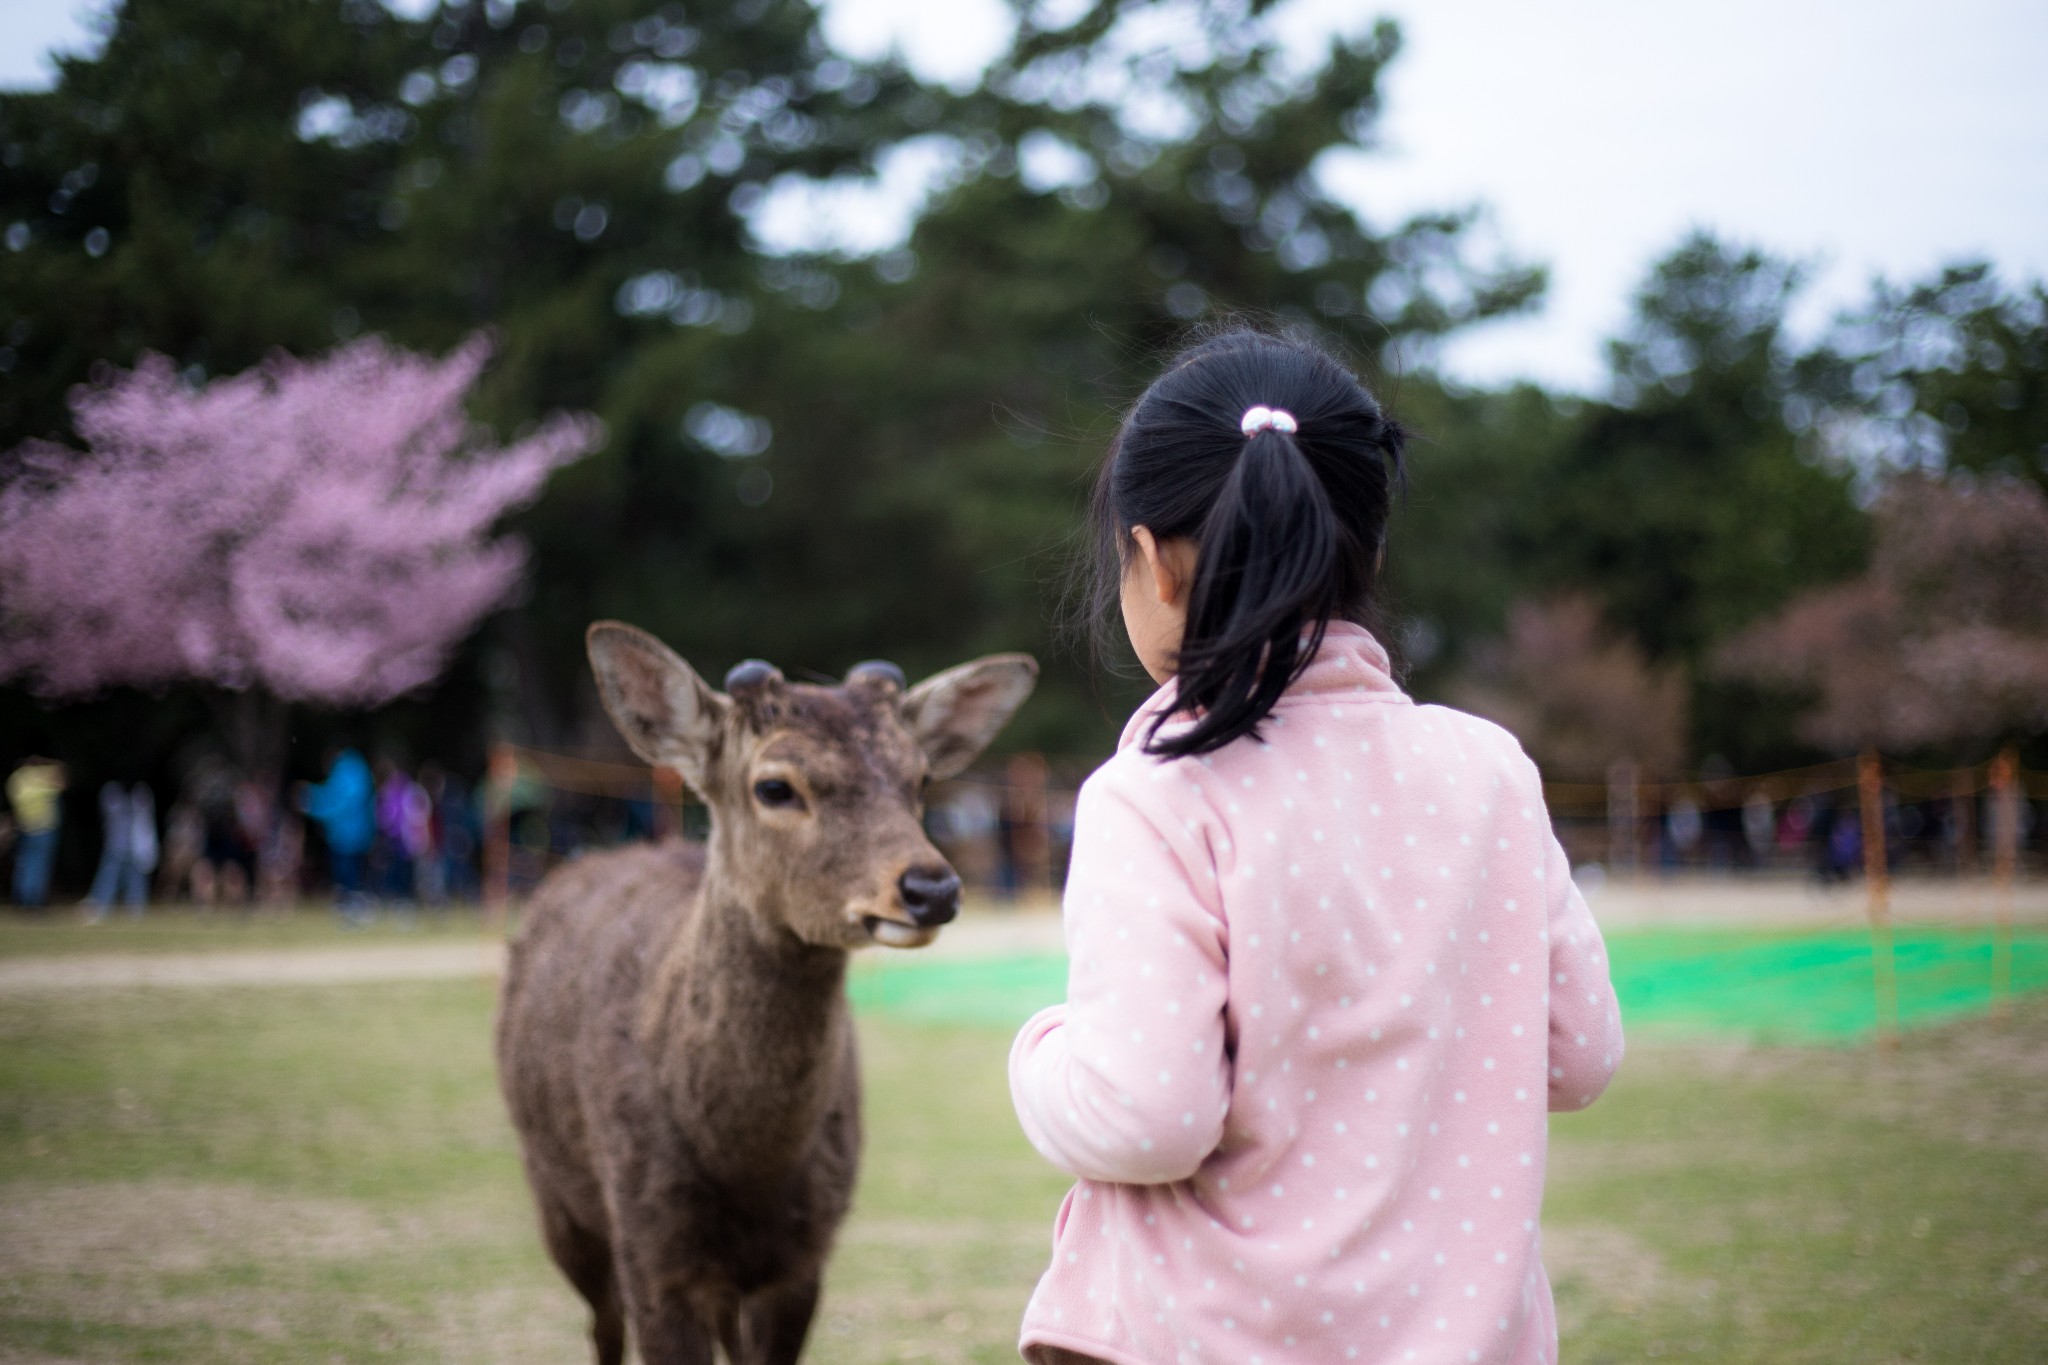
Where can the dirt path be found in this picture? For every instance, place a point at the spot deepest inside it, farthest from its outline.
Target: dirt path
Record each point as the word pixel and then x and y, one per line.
pixel 991 936
pixel 1733 901
pixel 270 967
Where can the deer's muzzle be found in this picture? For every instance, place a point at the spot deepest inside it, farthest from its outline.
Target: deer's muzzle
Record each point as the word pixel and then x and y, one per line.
pixel 931 895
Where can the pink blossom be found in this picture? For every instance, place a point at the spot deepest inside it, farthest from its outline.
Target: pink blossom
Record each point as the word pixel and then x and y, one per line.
pixel 319 529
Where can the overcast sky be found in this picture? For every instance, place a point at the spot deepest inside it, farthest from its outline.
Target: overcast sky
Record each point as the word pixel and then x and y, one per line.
pixel 1866 135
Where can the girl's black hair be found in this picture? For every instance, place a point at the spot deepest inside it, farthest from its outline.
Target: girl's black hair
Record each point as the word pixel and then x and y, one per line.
pixel 1288 527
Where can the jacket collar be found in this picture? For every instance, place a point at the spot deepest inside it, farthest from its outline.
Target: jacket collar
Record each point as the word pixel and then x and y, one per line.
pixel 1351 663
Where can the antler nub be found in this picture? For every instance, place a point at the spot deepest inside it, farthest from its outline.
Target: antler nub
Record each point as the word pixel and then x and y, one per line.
pixel 751 675
pixel 876 670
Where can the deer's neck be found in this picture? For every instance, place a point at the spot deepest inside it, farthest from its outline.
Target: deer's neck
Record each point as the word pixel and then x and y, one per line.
pixel 750 1036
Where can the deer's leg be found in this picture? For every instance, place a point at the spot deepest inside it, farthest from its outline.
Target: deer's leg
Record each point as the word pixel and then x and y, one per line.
pixel 586 1259
pixel 774 1323
pixel 669 1327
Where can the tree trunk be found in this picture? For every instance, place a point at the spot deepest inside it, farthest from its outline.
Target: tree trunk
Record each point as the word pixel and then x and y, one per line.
pixel 256 727
pixel 536 704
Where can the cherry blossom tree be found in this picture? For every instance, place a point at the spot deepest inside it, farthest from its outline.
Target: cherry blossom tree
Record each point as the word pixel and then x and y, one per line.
pixel 307 531
pixel 1943 641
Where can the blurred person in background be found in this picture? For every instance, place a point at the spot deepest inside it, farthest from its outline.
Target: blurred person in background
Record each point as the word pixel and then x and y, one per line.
pixel 403 820
pixel 1721 828
pixel 33 791
pixel 128 852
pixel 1759 827
pixel 431 875
pixel 113 849
pixel 1683 828
pixel 1838 842
pixel 256 809
pixel 1795 826
pixel 458 834
pixel 184 845
pixel 144 847
pixel 343 807
pixel 1725 839
pixel 226 870
pixel 281 857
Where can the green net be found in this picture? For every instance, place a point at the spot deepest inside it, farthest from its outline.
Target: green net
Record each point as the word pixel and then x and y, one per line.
pixel 1807 986
pixel 1773 985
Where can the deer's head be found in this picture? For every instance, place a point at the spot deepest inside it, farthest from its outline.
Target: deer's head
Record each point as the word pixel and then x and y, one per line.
pixel 816 793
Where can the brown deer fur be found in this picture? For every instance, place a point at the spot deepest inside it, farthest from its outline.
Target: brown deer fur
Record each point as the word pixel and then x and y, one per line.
pixel 673 1040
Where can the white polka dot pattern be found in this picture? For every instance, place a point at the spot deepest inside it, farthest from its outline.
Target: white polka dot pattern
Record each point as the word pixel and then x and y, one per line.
pixel 1307 1028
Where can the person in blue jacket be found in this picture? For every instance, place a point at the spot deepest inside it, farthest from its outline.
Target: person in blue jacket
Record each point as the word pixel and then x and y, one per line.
pixel 344 807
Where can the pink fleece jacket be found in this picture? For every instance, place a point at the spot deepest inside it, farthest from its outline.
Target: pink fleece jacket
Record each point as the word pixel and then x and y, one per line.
pixel 1323 988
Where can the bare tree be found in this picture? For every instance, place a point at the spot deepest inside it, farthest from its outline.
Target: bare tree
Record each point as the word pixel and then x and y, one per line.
pixel 1943 640
pixel 1579 696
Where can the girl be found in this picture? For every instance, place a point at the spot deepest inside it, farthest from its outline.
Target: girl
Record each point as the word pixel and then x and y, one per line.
pixel 1328 967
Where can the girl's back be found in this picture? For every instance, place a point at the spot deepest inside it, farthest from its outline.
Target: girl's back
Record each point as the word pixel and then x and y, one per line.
pixel 1328 968
pixel 1364 941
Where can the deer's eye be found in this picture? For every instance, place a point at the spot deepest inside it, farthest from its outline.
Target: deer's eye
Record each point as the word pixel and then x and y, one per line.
pixel 773 791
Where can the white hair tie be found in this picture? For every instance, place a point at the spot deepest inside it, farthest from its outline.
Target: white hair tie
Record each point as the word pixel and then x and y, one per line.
pixel 1259 418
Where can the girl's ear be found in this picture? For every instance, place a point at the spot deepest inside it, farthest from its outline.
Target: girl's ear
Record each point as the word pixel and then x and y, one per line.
pixel 1169 563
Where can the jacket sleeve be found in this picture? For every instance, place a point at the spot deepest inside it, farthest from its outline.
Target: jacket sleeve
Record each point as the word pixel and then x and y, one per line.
pixel 1128 1081
pixel 1585 1018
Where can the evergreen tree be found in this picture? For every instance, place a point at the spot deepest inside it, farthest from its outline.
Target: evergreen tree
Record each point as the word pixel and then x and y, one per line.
pixel 816 457
pixel 1688 503
pixel 1947 374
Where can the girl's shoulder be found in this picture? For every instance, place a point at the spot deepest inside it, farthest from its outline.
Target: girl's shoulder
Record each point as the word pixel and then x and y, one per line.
pixel 1474 739
pixel 1179 794
pixel 1465 728
pixel 1399 739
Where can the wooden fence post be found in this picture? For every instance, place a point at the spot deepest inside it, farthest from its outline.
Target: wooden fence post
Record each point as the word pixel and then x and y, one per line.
pixel 2005 855
pixel 500 776
pixel 1623 827
pixel 1026 778
pixel 1877 874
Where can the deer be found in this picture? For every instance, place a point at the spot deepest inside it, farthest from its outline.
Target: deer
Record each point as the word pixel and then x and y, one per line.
pixel 673 1037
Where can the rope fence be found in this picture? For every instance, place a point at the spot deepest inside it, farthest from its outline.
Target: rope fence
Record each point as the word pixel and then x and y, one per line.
pixel 1011 829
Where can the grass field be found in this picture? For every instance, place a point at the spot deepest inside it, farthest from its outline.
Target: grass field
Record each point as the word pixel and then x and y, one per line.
pixel 324 1174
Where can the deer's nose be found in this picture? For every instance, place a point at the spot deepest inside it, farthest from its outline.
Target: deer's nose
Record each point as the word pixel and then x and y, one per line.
pixel 931 895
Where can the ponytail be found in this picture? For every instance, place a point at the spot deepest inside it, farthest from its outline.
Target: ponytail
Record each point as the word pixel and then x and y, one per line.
pixel 1267 570
pixel 1287 506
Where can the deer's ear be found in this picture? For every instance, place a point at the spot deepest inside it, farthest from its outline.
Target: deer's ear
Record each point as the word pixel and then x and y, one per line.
pixel 665 711
pixel 956 713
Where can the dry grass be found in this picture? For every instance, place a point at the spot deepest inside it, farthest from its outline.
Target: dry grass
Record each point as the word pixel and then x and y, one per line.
pixel 323 1173
pixel 1792 1205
